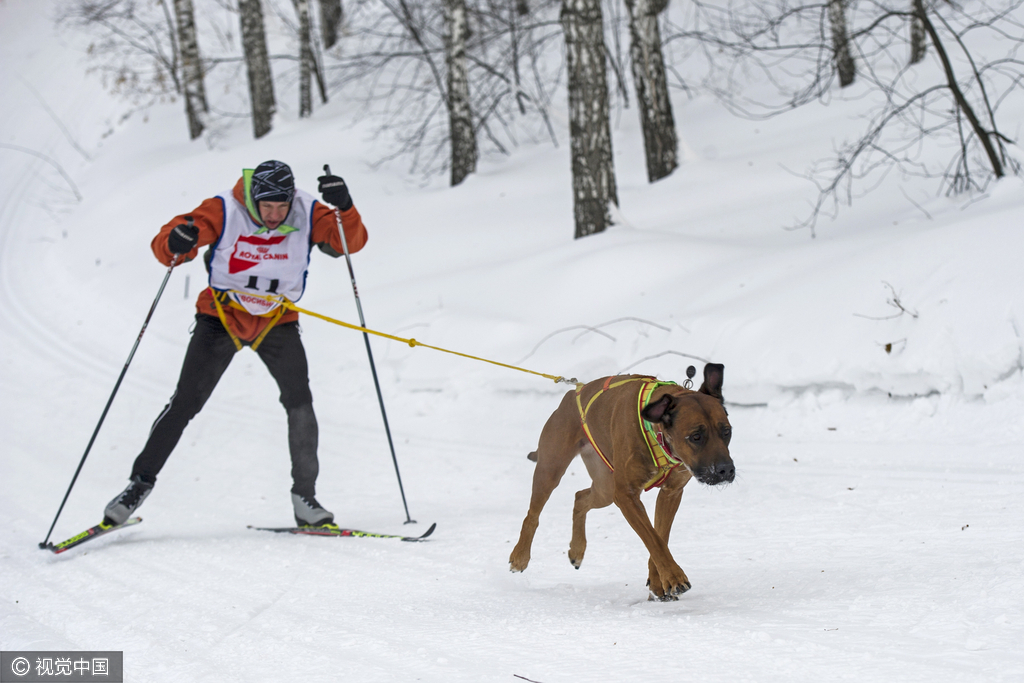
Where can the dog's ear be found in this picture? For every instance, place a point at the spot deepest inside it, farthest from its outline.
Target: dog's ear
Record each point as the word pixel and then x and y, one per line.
pixel 661 410
pixel 713 377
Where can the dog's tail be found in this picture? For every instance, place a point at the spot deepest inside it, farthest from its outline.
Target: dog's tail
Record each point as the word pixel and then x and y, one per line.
pixel 532 456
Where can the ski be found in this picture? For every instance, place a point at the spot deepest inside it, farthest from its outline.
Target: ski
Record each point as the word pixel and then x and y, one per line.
pixel 335 530
pixel 89 534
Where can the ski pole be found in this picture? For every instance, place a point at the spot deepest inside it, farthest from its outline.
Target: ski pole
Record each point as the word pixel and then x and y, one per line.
pixel 369 354
pixel 117 385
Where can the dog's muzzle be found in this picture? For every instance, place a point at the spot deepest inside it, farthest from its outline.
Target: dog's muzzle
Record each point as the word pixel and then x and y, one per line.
pixel 723 471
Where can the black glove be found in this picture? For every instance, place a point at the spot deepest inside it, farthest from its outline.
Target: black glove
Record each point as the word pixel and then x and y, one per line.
pixel 334 191
pixel 183 238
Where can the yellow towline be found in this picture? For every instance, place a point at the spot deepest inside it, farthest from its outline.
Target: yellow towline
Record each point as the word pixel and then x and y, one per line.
pixel 411 342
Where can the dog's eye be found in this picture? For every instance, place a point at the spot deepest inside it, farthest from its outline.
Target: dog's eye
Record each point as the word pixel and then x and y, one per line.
pixel 695 437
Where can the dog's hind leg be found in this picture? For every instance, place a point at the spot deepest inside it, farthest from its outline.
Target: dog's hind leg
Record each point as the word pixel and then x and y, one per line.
pixel 560 441
pixel 599 495
pixel 545 478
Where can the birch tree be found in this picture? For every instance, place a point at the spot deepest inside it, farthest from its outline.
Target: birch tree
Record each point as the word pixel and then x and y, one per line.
pixel 841 42
pixel 918 36
pixel 938 118
pixel 593 172
pixel 659 128
pixel 134 47
pixel 400 59
pixel 463 137
pixel 191 68
pixel 331 16
pixel 987 134
pixel 257 63
pixel 305 59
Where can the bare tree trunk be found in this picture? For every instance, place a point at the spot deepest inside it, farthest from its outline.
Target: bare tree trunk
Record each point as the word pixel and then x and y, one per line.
pixel 984 137
pixel 191 68
pixel 460 115
pixel 515 15
pixel 593 171
pixel 331 15
pixel 615 59
pixel 317 49
pixel 170 64
pixel 841 42
pixel 918 36
pixel 651 84
pixel 305 60
pixel 318 73
pixel 261 84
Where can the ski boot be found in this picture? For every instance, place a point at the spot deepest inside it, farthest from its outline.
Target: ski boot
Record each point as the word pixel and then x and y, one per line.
pixel 125 503
pixel 308 512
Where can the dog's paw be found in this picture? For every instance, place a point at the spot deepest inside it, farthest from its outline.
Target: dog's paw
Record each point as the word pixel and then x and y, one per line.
pixel 668 593
pixel 678 590
pixel 576 553
pixel 518 564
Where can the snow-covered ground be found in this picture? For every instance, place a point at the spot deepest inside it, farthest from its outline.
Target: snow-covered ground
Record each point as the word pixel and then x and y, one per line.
pixel 875 531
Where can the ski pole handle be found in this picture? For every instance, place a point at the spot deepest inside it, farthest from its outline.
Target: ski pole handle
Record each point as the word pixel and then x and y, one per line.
pixel 174 260
pixel 348 256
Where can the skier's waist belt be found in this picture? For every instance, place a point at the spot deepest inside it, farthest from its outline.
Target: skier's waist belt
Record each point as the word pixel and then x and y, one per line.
pixel 219 298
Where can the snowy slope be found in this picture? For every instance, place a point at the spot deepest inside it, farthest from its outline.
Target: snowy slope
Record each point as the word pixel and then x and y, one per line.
pixel 875 530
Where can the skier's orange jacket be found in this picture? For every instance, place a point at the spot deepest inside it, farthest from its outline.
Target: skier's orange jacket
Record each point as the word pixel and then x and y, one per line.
pixel 209 218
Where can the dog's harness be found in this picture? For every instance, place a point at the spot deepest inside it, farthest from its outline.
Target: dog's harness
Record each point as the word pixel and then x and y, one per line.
pixel 661 455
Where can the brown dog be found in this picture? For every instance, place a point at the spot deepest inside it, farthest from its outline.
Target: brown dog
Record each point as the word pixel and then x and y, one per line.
pixel 601 421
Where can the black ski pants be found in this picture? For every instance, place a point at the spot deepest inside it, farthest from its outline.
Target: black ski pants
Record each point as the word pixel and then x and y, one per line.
pixel 208 355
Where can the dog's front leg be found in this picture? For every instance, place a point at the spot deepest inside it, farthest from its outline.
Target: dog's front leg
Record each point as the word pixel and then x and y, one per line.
pixel 673 579
pixel 669 497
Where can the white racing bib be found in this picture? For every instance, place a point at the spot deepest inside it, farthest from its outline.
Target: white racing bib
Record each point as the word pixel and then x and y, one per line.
pixel 249 260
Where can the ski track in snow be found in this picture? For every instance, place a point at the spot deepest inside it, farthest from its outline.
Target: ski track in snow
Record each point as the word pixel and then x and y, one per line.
pixel 866 538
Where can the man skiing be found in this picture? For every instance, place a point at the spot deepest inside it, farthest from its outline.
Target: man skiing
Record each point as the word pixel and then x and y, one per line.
pixel 260 235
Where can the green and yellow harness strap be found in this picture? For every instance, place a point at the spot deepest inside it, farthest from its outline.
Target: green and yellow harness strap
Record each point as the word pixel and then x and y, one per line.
pixel 661 456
